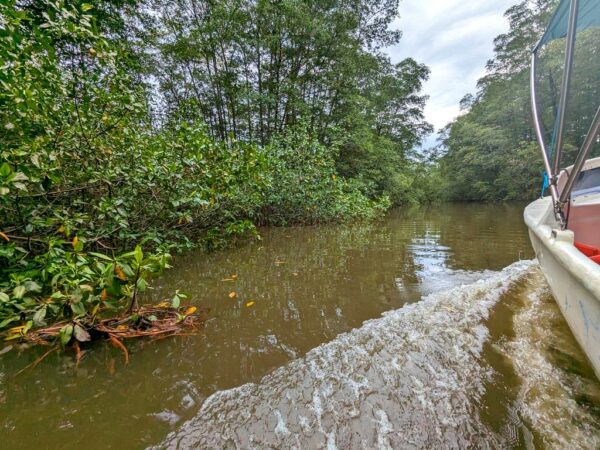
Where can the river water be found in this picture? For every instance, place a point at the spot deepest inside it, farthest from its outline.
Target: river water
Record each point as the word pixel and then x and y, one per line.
pixel 431 329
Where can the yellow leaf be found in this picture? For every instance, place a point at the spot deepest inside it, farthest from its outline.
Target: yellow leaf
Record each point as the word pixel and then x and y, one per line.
pixel 232 294
pixel 191 310
pixel 4 236
pixel 249 304
pixel 75 241
pixel 179 222
pixel 95 310
pixel 16 329
pixel 61 229
pixel 227 279
pixel 120 274
pixel 295 274
pixel 234 276
pixel 165 304
pixel 121 327
pixel 12 336
pixel 104 295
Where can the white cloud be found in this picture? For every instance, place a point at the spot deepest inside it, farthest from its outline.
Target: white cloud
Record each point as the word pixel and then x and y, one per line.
pixel 455 39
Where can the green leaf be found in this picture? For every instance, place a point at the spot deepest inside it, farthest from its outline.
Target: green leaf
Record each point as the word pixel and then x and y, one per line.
pixel 142 285
pixel 127 270
pixel 4 190
pixel 78 309
pixel 175 302
pixel 86 7
pixel 65 334
pixel 7 321
pixel 78 245
pixel 5 170
pixel 32 286
pixel 101 256
pixel 19 291
pixel 4 297
pixel 138 254
pixel 38 317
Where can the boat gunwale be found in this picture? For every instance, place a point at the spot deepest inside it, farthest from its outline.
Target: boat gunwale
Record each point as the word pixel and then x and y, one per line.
pixel 583 269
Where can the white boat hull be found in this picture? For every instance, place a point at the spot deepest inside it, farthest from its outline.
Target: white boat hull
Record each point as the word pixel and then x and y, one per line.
pixel 573 278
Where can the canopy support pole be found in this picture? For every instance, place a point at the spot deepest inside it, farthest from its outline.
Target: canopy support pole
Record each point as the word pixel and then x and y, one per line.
pixel 538 126
pixel 564 91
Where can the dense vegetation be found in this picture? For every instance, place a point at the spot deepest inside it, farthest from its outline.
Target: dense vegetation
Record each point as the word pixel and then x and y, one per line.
pixel 490 152
pixel 129 130
pixel 251 70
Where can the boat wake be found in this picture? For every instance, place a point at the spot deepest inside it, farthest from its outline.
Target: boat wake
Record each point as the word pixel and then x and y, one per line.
pixel 413 378
pixel 559 395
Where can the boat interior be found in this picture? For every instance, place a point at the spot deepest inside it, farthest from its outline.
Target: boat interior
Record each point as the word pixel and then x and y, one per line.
pixel 583 212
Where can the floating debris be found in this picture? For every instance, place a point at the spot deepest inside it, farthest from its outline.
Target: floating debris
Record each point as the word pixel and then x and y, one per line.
pixel 153 321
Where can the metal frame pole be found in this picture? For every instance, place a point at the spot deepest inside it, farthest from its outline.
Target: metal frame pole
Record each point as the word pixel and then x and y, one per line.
pixel 581 157
pixel 566 81
pixel 536 115
pixel 538 127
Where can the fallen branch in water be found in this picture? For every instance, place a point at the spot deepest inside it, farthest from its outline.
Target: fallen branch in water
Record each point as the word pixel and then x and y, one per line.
pixel 37 361
pixel 152 321
pixel 146 321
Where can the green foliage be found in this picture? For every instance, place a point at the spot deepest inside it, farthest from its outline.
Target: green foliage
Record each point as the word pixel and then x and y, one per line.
pixel 303 186
pixel 86 175
pixel 380 128
pixel 491 150
pixel 83 175
pixel 65 283
pixel 253 70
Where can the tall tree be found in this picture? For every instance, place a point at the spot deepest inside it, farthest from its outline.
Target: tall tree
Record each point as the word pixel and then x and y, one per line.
pixel 253 69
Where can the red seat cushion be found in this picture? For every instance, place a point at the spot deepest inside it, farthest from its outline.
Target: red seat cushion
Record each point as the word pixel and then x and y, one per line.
pixel 596 259
pixel 587 250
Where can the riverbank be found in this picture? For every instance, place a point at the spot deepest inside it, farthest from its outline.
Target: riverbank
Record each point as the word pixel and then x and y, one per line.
pixel 77 267
pixel 110 164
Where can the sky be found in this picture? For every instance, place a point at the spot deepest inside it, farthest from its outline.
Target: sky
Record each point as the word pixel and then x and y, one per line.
pixel 455 39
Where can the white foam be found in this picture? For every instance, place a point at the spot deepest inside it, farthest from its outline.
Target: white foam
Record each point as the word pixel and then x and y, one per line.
pixel 547 393
pixel 412 378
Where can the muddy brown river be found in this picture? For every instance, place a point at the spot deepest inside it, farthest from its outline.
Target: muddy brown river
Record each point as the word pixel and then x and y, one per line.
pixel 430 329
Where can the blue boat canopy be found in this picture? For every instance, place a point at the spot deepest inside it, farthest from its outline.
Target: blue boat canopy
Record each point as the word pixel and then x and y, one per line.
pixel 588 17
